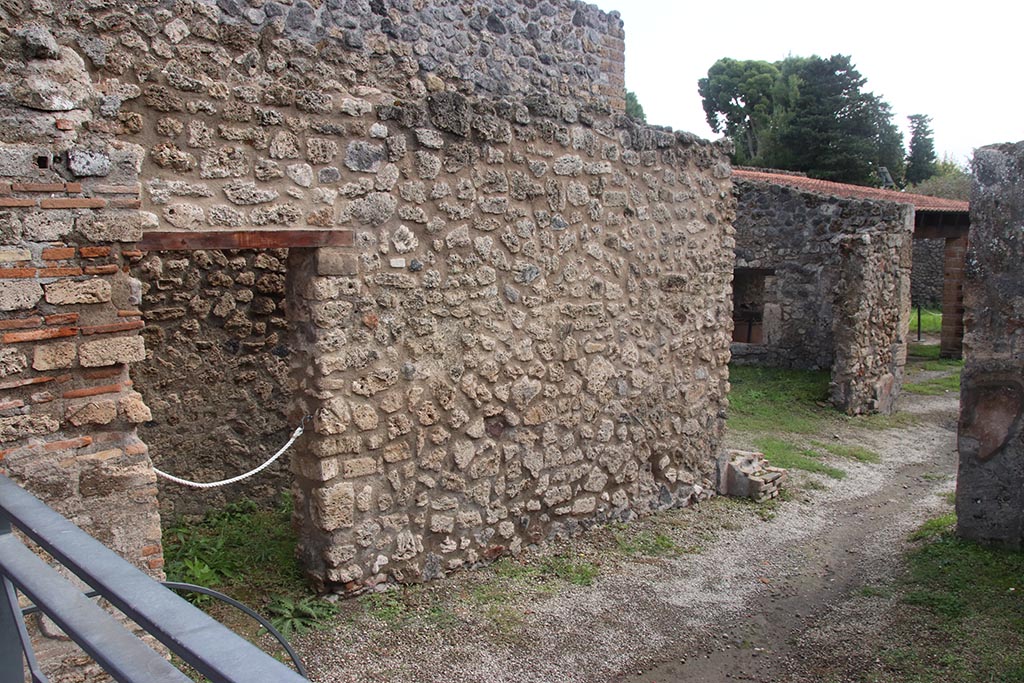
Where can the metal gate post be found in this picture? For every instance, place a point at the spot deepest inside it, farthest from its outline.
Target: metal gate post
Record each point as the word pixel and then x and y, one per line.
pixel 11 661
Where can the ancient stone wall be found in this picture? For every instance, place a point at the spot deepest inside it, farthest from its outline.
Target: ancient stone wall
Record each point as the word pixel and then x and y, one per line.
pixel 926 279
pixel 69 314
pixel 545 346
pixel 69 311
pixel 990 484
pixel 216 373
pixel 525 327
pixel 838 291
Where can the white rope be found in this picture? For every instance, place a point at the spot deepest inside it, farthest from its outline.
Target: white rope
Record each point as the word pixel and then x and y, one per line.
pixel 224 482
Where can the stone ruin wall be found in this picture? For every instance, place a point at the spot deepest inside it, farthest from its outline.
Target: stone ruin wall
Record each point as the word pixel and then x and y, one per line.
pixel 990 482
pixel 840 294
pixel 546 347
pixel 927 278
pixel 566 52
pixel 530 328
pixel 69 310
pixel 217 373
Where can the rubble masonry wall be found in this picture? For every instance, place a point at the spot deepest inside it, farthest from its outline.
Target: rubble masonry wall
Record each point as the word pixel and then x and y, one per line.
pixel 839 297
pixel 926 281
pixel 530 330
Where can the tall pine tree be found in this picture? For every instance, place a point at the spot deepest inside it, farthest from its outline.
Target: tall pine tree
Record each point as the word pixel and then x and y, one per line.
pixel 921 161
pixel 804 114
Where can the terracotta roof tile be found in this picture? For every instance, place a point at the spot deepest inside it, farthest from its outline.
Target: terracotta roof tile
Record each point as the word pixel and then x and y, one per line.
pixel 827 187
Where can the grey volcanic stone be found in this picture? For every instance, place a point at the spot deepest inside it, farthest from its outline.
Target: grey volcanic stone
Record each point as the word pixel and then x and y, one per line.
pixel 84 162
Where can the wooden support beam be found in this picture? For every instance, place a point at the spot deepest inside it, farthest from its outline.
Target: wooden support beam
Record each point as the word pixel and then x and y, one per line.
pixel 941 224
pixel 244 239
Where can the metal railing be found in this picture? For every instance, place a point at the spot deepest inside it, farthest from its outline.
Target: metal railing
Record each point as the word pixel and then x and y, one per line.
pixel 208 647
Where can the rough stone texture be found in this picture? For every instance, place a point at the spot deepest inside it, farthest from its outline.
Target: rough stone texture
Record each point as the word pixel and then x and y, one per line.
pixel 835 287
pixel 218 315
pixel 69 191
pixel 990 484
pixel 506 371
pixel 530 331
pixel 926 279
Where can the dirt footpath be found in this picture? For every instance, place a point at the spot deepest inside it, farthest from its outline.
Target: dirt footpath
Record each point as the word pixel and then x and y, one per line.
pixel 765 600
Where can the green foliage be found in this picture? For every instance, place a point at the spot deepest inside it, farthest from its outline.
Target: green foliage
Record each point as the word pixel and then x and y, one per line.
pixel 775 399
pixel 858 453
pixel 574 571
pixel 740 100
pixel 931 321
pixel 242 549
pixel 632 542
pixel 804 114
pixel 934 386
pixel 634 109
pixel 930 351
pixel 781 453
pixel 921 160
pixel 964 615
pixel 935 527
pixel 296 616
pixel 951 181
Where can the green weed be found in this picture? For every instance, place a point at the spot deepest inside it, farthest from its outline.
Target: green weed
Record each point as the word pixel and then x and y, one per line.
pixel 880 422
pixel 931 321
pixel 632 542
pixel 774 399
pixel 965 609
pixel 934 527
pixel 781 453
pixel 935 386
pixel 293 617
pixel 858 453
pixel 243 550
pixel 923 351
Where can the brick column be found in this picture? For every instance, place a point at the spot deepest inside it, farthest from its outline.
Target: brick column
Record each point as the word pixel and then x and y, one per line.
pixel 69 318
pixel 951 340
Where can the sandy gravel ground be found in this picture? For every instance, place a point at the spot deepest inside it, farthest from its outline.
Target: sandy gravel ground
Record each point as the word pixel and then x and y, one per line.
pixel 758 600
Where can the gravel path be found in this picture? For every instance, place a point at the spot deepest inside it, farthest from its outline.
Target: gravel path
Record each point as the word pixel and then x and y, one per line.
pixel 760 601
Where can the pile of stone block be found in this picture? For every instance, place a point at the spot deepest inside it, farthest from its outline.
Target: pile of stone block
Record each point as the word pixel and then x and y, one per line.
pixel 746 474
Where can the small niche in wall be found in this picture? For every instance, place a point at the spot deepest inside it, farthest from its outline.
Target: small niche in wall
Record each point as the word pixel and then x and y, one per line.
pixel 748 288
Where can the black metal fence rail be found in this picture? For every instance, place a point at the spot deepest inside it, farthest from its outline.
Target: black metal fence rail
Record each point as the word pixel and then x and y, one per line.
pixel 209 647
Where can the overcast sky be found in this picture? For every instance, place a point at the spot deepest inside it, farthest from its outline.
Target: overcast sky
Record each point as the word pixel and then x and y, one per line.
pixel 960 63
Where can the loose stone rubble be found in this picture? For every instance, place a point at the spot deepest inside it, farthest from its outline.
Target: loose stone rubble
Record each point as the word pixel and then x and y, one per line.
pixel 746 474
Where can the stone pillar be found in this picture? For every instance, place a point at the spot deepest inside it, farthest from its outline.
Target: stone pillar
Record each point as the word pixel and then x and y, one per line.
pixel 69 317
pixel 872 315
pixel 990 482
pixel 330 463
pixel 951 340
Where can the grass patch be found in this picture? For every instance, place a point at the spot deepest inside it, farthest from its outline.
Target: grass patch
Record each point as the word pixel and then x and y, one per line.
pixel 935 527
pixel 243 550
pixel 248 553
pixel 782 453
pixel 858 453
pixel 935 386
pixel 931 321
pixel 774 399
pixel 632 542
pixel 963 619
pixel 927 351
pixel 880 422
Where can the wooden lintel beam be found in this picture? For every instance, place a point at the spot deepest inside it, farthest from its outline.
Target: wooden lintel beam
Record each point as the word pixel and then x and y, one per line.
pixel 941 225
pixel 244 239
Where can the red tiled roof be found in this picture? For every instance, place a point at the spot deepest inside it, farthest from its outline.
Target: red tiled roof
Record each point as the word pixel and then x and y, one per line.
pixel 827 187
